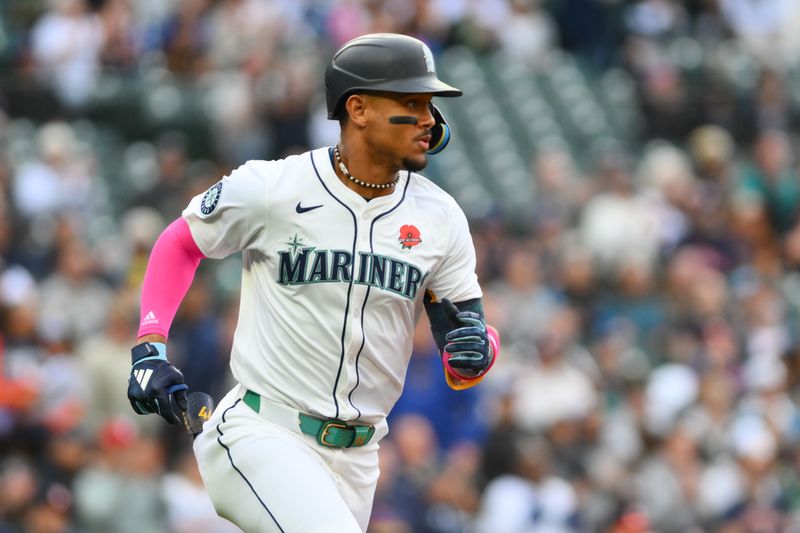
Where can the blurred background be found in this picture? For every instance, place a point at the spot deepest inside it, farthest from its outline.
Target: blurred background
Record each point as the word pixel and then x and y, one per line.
pixel 630 172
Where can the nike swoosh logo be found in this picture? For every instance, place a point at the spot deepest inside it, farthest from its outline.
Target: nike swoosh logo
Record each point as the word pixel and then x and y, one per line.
pixel 300 209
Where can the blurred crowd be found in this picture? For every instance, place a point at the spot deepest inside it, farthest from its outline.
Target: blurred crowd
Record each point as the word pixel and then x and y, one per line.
pixel 650 373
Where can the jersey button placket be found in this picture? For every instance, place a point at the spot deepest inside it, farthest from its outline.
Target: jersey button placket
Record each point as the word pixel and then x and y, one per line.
pixel 360 291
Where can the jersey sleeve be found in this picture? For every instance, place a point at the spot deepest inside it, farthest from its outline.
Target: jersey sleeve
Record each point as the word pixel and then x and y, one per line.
pixel 232 213
pixel 455 278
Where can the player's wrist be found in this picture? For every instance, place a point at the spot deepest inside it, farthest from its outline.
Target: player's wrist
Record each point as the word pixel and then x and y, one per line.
pixel 151 337
pixel 148 351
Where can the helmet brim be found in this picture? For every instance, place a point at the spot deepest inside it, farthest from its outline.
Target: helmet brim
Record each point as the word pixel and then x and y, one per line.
pixel 423 85
pixel 428 84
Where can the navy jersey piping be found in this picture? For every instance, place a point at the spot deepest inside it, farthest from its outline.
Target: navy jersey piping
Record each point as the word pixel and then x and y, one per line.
pixel 349 286
pixel 230 459
pixel 366 296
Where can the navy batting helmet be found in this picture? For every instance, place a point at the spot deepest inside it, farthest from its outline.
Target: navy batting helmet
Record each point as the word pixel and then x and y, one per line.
pixel 387 62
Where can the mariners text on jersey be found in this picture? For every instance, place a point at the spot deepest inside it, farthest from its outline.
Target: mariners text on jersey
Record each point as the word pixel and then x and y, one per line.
pixel 311 265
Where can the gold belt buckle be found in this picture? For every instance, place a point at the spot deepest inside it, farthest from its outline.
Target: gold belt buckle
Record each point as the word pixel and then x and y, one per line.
pixel 321 437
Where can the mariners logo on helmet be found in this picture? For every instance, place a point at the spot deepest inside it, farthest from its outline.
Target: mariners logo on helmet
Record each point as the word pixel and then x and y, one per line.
pixel 426 52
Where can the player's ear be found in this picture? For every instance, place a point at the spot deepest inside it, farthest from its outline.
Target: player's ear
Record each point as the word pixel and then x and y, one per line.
pixel 356 108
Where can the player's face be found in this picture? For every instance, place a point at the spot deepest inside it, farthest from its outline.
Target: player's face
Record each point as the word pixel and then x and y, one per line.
pixel 405 144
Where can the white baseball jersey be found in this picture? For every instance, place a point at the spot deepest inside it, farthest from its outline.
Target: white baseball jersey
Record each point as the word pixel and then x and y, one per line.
pixel 332 284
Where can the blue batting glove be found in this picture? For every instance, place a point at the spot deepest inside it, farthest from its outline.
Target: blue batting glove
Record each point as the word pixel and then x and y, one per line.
pixel 468 343
pixel 155 386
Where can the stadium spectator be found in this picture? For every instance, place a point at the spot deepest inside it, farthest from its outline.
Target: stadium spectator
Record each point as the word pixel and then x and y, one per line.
pixel 531 497
pixel 618 222
pixel 166 194
pixel 773 179
pixel 74 300
pixel 528 33
pixel 759 26
pixel 666 483
pixel 60 180
pixel 120 491
pixel 103 356
pixel 523 296
pixel 66 44
pixel 552 388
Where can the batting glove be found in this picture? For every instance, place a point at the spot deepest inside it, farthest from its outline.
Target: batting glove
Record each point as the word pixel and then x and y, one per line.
pixel 155 386
pixel 468 351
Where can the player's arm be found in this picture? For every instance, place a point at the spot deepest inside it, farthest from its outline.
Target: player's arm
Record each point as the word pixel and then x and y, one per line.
pixel 155 385
pixel 225 219
pixel 469 346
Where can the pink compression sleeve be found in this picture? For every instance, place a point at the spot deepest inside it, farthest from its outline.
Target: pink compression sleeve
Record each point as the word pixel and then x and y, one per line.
pixel 170 271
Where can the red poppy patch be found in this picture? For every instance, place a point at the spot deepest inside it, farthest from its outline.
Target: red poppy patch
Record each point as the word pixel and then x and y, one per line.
pixel 409 236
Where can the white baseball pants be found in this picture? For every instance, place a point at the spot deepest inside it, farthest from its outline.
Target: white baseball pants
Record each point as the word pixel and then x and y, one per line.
pixel 264 477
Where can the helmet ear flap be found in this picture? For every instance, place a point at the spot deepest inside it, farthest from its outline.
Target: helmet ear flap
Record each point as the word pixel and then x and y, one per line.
pixel 440 133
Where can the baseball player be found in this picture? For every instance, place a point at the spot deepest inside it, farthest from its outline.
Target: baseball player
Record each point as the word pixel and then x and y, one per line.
pixel 342 248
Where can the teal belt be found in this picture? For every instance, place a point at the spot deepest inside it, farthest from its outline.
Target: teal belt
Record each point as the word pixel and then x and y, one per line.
pixel 330 432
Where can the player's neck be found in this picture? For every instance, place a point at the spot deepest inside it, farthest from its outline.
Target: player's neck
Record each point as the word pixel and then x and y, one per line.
pixel 369 178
